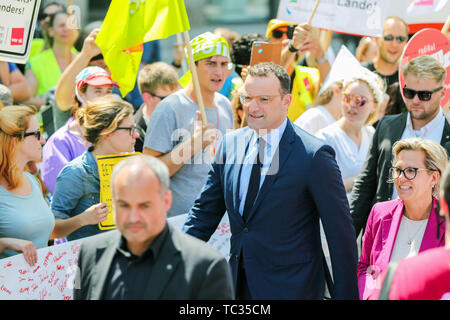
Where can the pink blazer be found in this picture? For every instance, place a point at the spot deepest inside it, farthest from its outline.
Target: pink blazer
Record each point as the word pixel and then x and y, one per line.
pixel 379 239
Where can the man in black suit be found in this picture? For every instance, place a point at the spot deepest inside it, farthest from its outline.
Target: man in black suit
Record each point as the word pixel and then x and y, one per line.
pixel 146 258
pixel 422 93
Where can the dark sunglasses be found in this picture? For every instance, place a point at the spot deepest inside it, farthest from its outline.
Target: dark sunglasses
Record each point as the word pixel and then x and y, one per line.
pixel 356 98
pixel 131 130
pixel 423 95
pixel 156 96
pixel 390 37
pixel 33 133
pixel 277 33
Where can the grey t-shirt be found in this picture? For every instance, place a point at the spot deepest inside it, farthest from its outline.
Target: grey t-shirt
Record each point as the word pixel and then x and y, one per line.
pixel 173 122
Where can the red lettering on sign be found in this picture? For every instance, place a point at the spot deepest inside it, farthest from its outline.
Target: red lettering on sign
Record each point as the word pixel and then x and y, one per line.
pixel 4 289
pixel 56 259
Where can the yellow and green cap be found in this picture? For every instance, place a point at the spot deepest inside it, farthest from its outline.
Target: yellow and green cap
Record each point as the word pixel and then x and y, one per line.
pixel 205 46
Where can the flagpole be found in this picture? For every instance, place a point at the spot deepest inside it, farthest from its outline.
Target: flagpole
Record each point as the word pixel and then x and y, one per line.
pixel 198 93
pixel 70 4
pixel 313 12
pixel 195 77
pixel 183 61
pixel 446 26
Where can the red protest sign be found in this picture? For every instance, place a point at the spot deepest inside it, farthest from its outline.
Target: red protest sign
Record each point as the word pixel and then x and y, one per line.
pixel 433 43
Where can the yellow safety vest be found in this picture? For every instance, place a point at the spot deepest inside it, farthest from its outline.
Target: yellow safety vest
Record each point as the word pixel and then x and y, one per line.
pixel 46 69
pixel 304 90
pixel 37 46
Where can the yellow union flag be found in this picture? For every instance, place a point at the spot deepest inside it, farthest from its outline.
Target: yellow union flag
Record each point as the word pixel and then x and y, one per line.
pixel 130 23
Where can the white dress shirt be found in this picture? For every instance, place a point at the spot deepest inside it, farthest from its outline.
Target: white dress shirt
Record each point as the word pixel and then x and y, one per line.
pixel 432 131
pixel 272 140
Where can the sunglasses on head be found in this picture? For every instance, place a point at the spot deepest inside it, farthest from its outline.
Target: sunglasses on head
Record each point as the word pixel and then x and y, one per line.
pixel 356 98
pixel 390 37
pixel 277 33
pixel 423 95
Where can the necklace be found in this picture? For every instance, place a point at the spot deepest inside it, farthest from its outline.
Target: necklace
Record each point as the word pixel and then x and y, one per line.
pixel 411 238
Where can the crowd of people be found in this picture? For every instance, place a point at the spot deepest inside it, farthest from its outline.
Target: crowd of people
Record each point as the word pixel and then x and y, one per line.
pixel 360 164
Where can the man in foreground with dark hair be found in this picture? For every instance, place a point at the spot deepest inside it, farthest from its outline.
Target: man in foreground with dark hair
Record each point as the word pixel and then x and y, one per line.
pixel 276 181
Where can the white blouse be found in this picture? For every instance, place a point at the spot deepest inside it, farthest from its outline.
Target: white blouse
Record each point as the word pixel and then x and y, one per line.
pixel 349 157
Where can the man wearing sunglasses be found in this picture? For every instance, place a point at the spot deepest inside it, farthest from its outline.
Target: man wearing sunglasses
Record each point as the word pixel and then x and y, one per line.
pixel 391 45
pixel 422 94
pixel 155 82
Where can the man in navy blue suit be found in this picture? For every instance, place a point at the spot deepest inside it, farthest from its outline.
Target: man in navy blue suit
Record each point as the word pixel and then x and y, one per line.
pixel 276 181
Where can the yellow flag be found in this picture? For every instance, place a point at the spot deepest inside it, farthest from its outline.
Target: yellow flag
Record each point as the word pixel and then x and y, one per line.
pixel 130 23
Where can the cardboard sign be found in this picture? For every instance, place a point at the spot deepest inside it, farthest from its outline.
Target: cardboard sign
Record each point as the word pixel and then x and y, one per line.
pixel 53 277
pixel 433 43
pixel 420 14
pixel 17 23
pixel 105 167
pixel 365 18
pixel 344 66
pixel 265 52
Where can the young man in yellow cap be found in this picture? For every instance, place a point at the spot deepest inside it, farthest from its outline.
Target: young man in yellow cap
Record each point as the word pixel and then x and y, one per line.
pixel 175 133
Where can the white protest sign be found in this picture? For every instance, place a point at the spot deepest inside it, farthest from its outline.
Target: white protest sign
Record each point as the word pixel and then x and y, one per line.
pixel 345 66
pixel 53 277
pixel 359 17
pixel 17 22
pixel 420 14
pixel 220 240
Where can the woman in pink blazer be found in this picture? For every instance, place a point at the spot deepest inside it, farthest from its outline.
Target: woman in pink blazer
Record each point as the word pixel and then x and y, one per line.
pixel 405 226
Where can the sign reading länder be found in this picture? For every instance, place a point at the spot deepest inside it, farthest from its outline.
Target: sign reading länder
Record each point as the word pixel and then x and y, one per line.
pixel 17 22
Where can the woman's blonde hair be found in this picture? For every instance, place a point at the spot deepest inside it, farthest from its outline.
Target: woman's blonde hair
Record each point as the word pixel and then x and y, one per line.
pixel 325 97
pixel 435 155
pixel 102 116
pixel 14 121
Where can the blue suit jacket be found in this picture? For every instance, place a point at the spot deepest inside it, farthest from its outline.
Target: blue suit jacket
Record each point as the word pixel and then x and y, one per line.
pixel 280 241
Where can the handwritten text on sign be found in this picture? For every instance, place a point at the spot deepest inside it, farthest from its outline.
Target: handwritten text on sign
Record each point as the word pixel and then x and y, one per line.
pixel 53 277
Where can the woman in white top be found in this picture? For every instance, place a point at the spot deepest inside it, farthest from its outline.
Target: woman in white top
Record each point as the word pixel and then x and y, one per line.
pixel 352 135
pixel 325 111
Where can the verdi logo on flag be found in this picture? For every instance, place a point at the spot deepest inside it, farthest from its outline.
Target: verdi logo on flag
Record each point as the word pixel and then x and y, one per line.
pixel 130 23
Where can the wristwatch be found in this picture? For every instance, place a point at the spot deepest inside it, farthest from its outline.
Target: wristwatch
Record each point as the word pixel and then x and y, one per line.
pixel 323 59
pixel 291 46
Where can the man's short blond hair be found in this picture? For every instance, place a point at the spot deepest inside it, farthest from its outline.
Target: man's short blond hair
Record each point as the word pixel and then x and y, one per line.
pixel 155 75
pixel 425 67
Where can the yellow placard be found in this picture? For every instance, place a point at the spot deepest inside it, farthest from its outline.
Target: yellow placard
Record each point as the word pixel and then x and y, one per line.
pixel 105 167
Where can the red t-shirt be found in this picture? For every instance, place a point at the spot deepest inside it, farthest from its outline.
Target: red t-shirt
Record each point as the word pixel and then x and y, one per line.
pixel 422 277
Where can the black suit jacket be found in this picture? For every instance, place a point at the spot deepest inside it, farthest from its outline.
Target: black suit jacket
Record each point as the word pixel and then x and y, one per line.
pixel 186 269
pixel 371 186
